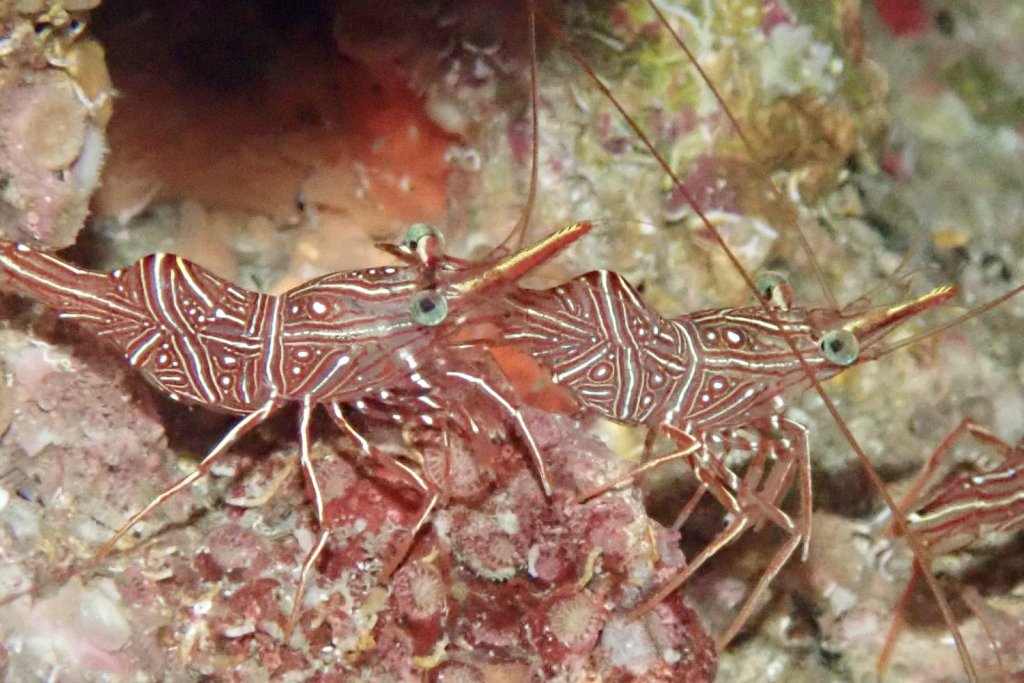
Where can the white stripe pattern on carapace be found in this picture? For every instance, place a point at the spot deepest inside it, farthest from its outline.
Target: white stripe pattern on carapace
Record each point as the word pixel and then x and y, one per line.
pixel 707 379
pixel 345 340
pixel 953 505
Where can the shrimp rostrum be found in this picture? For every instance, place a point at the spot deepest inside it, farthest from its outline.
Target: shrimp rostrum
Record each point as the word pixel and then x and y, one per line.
pixel 712 381
pixel 352 340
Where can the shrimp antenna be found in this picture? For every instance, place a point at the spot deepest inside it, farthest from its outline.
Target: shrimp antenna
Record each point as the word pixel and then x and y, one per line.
pixel 754 155
pixel 518 233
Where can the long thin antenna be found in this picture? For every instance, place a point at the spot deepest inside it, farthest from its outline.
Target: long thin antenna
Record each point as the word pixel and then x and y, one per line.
pixel 523 224
pixel 762 168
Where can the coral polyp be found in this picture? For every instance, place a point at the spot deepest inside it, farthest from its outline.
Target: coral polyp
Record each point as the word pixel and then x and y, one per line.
pixel 419 591
pixel 488 544
pixel 459 466
pixel 568 625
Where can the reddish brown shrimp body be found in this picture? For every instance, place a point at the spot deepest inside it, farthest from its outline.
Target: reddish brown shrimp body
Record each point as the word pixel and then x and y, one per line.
pixel 369 340
pixel 701 378
pixel 688 23
pixel 951 509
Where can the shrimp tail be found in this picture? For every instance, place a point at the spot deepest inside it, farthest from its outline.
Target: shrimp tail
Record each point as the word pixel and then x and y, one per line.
pixel 71 291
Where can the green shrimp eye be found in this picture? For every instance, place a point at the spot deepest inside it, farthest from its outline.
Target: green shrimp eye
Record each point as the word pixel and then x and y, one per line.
pixel 418 231
pixel 774 289
pixel 428 307
pixel 840 347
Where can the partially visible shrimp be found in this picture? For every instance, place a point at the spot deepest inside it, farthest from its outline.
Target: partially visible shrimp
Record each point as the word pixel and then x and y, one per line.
pixel 952 510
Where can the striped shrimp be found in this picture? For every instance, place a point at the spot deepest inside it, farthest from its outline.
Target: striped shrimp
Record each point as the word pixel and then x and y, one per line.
pixel 954 507
pixel 356 339
pixel 713 381
pixel 792 209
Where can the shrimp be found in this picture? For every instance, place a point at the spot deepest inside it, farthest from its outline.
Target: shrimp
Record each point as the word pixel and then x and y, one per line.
pixel 706 379
pixel 952 510
pixel 807 112
pixel 720 36
pixel 341 339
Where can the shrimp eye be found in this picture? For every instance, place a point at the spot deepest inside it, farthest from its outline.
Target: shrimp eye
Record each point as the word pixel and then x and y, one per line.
pixel 428 307
pixel 840 347
pixel 416 232
pixel 774 289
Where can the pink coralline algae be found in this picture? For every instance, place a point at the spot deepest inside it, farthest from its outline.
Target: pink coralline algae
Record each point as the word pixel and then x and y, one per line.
pixel 511 585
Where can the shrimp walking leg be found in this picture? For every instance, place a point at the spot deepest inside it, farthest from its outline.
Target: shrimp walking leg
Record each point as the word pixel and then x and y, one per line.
pixel 245 425
pixel 756 500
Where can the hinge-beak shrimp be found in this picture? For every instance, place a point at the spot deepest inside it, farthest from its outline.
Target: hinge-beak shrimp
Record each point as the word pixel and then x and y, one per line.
pixel 709 380
pixel 789 220
pixel 357 339
pixel 952 509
